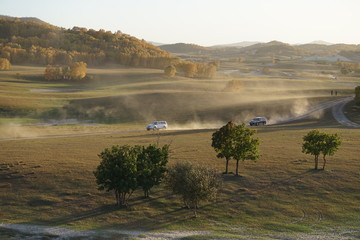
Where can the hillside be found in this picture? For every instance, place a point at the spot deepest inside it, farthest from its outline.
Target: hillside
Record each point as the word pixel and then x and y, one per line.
pixel 36 42
pixel 255 50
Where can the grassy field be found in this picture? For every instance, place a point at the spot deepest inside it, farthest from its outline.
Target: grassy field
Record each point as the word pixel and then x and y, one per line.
pixel 49 181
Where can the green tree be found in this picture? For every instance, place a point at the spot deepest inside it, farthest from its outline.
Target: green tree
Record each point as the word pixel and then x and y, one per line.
pixel 222 142
pixel 170 71
pixel 245 145
pixel 4 64
pixel 193 183
pixel 316 143
pixel 331 144
pixel 118 172
pixel 151 166
pixel 237 142
pixel 313 145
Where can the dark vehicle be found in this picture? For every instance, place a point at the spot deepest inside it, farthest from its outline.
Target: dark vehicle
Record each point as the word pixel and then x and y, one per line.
pixel 258 121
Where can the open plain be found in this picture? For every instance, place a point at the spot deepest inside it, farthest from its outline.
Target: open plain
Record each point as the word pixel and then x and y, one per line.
pixel 52 133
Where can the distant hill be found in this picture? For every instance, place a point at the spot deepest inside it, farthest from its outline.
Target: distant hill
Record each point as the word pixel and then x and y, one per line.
pixel 24 19
pixel 239 44
pixel 184 48
pixel 156 43
pixel 30 40
pixel 320 42
pixel 273 48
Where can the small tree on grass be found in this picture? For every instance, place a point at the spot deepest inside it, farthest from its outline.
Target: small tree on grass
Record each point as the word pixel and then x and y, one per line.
pixel 193 183
pixel 237 142
pixel 222 142
pixel 245 145
pixel 317 143
pixel 151 166
pixel 124 168
pixel 117 171
pixel 331 144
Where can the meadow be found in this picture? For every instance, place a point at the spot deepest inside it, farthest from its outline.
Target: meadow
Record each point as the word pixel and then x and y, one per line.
pixel 49 181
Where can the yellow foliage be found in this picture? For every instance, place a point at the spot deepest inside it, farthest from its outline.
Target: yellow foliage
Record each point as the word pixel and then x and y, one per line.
pixel 4 64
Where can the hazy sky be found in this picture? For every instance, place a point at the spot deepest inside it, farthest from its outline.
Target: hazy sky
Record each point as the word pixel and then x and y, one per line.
pixel 203 22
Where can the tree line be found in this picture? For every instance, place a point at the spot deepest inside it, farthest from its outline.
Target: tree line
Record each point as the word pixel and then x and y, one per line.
pixel 43 44
pixel 349 67
pixel 75 71
pixel 24 42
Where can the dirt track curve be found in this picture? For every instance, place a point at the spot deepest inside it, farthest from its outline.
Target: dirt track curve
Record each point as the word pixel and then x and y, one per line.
pixel 338 113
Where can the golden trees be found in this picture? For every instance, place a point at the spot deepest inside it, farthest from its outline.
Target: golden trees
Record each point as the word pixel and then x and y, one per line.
pixel 76 71
pixel 4 64
pixel 170 71
pixel 201 70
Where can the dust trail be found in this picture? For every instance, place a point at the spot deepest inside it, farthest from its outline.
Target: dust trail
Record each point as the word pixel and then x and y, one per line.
pixel 196 125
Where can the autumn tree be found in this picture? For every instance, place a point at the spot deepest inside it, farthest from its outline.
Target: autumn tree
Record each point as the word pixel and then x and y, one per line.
pixel 189 69
pixel 78 70
pixel 194 183
pixel 52 73
pixel 170 71
pixel 4 64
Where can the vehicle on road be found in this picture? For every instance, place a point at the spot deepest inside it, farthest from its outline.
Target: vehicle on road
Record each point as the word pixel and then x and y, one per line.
pixel 258 121
pixel 157 125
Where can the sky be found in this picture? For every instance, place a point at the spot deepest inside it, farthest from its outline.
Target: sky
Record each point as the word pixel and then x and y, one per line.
pixel 203 22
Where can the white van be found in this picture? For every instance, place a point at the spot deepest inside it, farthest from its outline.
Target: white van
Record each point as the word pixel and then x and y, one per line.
pixel 157 125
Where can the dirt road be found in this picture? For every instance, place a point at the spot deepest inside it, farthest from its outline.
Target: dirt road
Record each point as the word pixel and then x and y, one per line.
pixel 337 106
pixel 338 113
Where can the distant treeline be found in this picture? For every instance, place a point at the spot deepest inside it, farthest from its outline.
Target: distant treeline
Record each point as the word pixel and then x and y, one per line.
pixel 44 44
pixel 40 43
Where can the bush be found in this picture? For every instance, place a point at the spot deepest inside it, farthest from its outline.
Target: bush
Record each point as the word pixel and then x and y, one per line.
pixel 193 183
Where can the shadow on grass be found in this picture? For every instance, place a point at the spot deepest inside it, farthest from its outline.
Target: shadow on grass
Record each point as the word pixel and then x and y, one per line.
pixel 102 210
pixel 171 212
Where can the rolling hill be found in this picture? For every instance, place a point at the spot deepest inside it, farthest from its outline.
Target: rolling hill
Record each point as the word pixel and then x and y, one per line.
pixel 30 40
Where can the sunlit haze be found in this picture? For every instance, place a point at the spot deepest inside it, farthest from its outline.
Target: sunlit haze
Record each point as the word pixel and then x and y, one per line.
pixel 203 22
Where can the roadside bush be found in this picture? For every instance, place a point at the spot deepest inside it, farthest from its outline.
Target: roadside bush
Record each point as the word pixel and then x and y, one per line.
pixel 193 183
